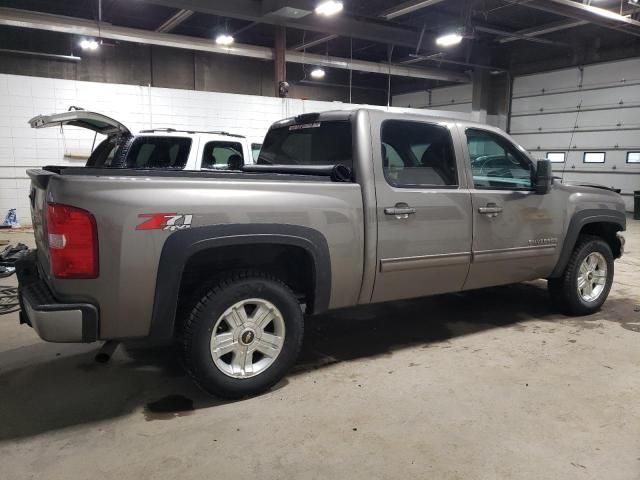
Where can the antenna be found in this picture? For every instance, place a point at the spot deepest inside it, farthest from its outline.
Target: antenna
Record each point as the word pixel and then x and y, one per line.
pixel 573 131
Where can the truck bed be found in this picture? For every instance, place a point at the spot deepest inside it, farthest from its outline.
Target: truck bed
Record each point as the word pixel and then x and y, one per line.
pixel 123 199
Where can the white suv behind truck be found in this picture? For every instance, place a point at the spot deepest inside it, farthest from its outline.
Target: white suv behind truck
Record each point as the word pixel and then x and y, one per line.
pixel 160 148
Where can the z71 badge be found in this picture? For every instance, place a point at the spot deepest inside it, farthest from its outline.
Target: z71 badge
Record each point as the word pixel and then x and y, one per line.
pixel 165 221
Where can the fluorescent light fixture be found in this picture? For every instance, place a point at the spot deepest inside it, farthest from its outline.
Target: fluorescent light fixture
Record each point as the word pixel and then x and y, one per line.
pixel 224 39
pixel 88 44
pixel 449 39
pixel 329 7
pixel 603 12
pixel 317 73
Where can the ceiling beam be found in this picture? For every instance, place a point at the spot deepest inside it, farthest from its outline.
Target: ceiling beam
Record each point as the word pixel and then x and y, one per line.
pixel 312 43
pixel 397 11
pixel 439 58
pixel 245 28
pixel 342 25
pixel 407 7
pixel 516 35
pixel 175 20
pixel 78 26
pixel 580 11
pixel 543 30
pixel 555 27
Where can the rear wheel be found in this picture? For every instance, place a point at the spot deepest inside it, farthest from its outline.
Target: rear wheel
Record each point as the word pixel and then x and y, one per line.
pixel 586 281
pixel 243 335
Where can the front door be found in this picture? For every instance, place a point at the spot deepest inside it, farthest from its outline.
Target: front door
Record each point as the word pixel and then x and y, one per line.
pixel 515 231
pixel 423 210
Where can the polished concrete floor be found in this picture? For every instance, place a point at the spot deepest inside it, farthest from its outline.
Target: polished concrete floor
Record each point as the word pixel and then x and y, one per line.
pixel 490 384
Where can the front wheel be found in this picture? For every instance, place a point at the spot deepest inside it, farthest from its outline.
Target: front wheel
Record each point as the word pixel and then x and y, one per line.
pixel 586 281
pixel 243 335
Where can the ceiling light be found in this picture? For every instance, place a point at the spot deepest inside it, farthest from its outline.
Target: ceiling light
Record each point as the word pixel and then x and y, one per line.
pixel 88 44
pixel 329 7
pixel 224 39
pixel 317 73
pixel 449 39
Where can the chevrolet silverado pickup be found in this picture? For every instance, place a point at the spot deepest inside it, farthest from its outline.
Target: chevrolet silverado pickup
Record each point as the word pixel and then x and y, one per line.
pixel 342 208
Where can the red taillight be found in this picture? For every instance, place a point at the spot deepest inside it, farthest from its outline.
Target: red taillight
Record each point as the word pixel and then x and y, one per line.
pixel 73 242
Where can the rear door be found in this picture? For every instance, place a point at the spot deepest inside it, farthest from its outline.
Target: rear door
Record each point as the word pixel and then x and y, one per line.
pixel 81 118
pixel 423 210
pixel 515 231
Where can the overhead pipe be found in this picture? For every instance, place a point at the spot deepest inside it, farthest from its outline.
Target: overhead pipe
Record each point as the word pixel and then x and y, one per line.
pixel 54 56
pixel 76 26
pixel 176 19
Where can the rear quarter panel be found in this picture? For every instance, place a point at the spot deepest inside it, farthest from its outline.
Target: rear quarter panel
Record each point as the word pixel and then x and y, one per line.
pixel 129 258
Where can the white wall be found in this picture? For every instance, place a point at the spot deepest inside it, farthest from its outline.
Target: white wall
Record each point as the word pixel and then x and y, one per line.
pixel 456 98
pixel 545 117
pixel 138 107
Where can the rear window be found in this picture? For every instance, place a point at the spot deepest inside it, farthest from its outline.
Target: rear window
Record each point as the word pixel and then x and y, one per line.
pixel 105 153
pixel 159 152
pixel 316 143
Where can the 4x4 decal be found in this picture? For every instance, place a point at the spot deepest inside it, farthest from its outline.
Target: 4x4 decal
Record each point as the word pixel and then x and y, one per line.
pixel 165 221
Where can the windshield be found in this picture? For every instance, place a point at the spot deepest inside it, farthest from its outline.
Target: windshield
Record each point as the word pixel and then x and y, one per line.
pixel 316 143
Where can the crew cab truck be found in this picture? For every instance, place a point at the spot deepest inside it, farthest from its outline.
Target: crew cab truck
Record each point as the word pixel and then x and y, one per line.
pixel 158 148
pixel 342 208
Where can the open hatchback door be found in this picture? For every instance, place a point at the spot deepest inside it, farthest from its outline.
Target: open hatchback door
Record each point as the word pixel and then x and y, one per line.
pixel 81 118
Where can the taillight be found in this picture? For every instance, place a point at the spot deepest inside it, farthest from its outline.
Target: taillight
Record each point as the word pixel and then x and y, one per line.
pixel 73 242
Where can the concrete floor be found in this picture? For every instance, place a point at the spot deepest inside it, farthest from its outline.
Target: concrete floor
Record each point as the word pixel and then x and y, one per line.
pixel 483 385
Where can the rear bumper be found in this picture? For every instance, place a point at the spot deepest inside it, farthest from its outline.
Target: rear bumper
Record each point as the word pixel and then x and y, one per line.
pixel 52 320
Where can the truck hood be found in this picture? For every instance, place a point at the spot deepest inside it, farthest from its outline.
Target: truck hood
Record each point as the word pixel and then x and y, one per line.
pixel 81 118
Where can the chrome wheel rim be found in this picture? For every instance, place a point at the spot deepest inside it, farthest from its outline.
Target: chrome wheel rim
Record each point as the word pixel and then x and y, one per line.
pixel 247 338
pixel 592 277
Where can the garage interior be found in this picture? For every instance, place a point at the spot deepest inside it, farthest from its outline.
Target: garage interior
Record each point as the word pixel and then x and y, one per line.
pixel 491 383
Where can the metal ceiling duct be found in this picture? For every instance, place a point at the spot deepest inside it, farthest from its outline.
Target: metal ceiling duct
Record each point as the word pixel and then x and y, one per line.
pixel 76 26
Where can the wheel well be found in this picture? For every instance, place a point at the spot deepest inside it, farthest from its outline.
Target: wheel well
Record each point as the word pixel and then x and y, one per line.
pixel 607 231
pixel 291 264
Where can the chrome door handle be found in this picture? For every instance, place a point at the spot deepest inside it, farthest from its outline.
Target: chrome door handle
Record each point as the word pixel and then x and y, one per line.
pixel 400 211
pixel 491 210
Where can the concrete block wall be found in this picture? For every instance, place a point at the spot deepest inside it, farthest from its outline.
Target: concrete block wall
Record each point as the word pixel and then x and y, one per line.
pixel 138 107
pixel 456 98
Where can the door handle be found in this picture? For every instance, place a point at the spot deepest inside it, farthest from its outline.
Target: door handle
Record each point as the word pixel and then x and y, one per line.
pixel 401 210
pixel 490 210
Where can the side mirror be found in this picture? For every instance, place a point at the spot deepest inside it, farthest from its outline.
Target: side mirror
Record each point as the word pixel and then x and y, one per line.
pixel 544 177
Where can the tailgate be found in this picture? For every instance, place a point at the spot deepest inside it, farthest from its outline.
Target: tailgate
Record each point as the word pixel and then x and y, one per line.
pixel 38 203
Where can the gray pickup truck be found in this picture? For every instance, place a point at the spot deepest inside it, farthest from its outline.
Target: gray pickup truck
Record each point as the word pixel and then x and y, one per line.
pixel 342 208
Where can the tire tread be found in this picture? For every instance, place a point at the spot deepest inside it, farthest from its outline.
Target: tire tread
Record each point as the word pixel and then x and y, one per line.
pixel 562 289
pixel 196 316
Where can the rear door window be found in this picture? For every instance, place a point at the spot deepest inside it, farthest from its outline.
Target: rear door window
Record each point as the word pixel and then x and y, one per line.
pixel 159 152
pixel 222 155
pixel 417 154
pixel 315 143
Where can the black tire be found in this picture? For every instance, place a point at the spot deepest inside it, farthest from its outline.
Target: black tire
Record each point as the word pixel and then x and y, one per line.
pixel 564 289
pixel 198 329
